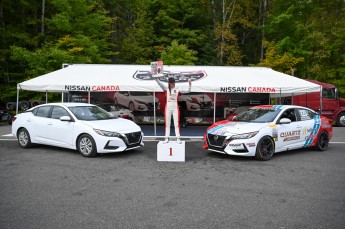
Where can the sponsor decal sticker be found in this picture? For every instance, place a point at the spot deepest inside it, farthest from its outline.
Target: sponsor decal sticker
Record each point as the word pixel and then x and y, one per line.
pixel 315 130
pixel 251 144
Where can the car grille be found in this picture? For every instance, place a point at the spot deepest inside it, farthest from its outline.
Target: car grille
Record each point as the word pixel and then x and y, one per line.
pixel 133 138
pixel 206 105
pixel 151 107
pixel 216 140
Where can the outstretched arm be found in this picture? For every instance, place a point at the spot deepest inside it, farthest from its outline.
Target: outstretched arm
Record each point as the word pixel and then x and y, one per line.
pixel 189 88
pixel 160 84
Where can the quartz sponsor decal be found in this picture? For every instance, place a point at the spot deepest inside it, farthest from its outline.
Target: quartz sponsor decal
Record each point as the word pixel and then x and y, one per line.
pixel 92 88
pixel 248 89
pixel 290 135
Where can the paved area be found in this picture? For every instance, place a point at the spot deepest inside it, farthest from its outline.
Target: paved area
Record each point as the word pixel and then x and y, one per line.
pixel 49 187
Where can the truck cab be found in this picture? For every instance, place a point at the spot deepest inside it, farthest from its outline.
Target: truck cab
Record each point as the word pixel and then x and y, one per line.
pixel 332 106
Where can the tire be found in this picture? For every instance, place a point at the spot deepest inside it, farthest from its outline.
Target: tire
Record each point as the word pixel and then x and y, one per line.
pixel 131 106
pixel 24 139
pixel 86 146
pixel 341 119
pixel 11 106
pixel 24 105
pixel 322 141
pixel 265 149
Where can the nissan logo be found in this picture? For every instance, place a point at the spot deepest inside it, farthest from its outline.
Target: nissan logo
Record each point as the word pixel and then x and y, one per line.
pixel 215 137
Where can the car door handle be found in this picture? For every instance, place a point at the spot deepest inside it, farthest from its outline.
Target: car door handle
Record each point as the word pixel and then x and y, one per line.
pixel 299 126
pixel 49 123
pixel 28 120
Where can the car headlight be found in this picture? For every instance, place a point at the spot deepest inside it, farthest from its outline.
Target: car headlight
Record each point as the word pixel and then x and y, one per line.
pixel 138 101
pixel 244 136
pixel 107 133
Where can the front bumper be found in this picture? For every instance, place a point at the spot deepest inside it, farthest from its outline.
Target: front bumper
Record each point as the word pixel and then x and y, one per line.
pixel 119 144
pixel 224 145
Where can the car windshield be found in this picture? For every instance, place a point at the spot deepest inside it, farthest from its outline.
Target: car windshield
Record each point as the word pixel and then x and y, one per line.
pixel 90 113
pixel 257 115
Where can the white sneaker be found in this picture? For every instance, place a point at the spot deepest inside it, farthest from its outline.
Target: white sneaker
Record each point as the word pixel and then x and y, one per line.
pixel 166 141
pixel 178 141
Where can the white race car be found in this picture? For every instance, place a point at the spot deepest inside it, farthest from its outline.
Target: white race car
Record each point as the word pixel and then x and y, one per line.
pixel 196 101
pixel 79 126
pixel 261 131
pixel 117 111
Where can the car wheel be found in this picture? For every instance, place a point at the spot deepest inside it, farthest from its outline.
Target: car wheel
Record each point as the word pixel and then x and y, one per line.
pixel 131 106
pixel 264 149
pixel 24 139
pixel 322 141
pixel 87 146
pixel 115 101
pixel 341 119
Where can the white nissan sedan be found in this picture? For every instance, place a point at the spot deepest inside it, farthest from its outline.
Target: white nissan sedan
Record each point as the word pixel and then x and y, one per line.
pixel 79 126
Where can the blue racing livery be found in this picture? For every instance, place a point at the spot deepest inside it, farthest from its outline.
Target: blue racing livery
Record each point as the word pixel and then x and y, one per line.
pixel 315 130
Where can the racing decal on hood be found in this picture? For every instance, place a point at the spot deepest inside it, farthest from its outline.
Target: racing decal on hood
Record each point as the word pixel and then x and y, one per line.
pixel 313 133
pixel 180 76
pixel 216 129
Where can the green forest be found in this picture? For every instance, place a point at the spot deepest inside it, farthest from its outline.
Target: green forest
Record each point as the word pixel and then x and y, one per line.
pixel 304 38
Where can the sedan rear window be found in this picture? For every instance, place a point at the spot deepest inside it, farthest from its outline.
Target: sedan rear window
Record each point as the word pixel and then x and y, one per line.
pixel 89 113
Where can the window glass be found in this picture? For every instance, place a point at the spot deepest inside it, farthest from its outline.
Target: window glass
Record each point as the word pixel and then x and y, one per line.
pixel 43 111
pixel 306 114
pixel 89 113
pixel 290 114
pixel 328 93
pixel 58 112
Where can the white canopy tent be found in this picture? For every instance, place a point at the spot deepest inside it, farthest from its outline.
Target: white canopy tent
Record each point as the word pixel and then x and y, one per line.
pixel 217 79
pixel 214 79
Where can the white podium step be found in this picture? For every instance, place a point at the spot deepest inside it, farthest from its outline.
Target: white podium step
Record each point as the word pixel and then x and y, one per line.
pixel 171 151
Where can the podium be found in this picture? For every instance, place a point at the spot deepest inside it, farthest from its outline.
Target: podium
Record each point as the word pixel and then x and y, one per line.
pixel 171 151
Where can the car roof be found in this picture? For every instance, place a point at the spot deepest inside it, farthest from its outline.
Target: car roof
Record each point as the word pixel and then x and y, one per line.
pixel 280 107
pixel 64 104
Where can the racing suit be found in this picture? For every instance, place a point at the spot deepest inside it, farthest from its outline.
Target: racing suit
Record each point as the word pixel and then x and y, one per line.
pixel 171 107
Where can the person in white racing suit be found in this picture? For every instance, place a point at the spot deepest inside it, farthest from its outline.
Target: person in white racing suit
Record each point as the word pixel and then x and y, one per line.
pixel 171 106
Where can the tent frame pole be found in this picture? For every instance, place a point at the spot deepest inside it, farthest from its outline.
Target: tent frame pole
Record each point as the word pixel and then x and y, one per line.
pixel 17 105
pixel 154 113
pixel 214 105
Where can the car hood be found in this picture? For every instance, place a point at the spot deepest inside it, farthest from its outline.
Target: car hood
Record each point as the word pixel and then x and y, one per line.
pixel 146 99
pixel 119 125
pixel 232 128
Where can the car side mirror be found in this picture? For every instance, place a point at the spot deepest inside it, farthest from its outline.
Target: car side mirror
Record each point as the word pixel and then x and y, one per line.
pixel 285 121
pixel 65 118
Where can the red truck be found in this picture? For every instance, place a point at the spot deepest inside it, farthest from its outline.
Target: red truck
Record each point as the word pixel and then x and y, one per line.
pixel 333 107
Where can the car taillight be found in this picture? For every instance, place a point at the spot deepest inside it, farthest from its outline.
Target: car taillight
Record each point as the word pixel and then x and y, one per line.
pixel 13 119
pixel 126 117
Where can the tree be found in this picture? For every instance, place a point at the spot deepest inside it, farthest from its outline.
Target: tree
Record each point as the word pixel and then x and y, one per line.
pixel 178 55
